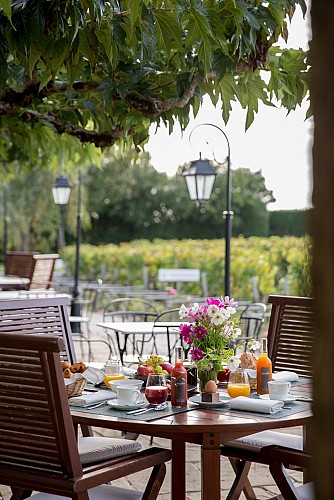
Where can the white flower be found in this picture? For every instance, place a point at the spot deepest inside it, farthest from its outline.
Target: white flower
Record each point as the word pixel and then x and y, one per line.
pixel 253 345
pixel 219 317
pixel 183 312
pixel 239 349
pixel 233 363
pixel 231 310
pixel 236 333
pixel 212 310
pixel 195 308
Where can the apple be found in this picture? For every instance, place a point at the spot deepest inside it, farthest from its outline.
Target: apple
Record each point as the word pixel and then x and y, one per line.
pixel 167 366
pixel 223 375
pixel 144 370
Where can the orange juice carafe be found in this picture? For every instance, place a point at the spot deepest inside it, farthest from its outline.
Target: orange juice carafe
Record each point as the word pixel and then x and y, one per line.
pixel 113 370
pixel 263 369
pixel 179 390
pixel 238 384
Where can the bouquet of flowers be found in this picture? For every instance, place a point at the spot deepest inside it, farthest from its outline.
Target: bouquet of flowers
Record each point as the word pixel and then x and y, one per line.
pixel 210 332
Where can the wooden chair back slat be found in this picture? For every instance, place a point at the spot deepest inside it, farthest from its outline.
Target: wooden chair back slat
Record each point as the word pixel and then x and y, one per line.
pixel 36 430
pixel 32 316
pixel 19 264
pixel 42 271
pixel 291 334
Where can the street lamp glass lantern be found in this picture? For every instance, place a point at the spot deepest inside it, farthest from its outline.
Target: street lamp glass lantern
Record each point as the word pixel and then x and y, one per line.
pixel 61 191
pixel 200 178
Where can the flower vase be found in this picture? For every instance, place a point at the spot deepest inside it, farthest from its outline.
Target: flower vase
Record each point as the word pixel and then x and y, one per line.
pixel 205 375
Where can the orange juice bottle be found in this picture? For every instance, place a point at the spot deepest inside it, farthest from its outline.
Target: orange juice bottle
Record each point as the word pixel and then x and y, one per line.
pixel 263 369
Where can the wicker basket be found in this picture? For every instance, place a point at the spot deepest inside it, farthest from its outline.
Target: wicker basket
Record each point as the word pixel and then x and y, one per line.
pixel 76 388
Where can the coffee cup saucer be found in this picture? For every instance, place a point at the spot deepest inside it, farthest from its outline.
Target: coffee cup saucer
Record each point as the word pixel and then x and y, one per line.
pixel 132 406
pixel 290 398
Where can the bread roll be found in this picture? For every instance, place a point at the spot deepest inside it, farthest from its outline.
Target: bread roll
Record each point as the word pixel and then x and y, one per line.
pixel 67 373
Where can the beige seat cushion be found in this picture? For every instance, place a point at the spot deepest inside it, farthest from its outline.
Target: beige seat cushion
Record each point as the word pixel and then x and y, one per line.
pixel 95 449
pixel 259 440
pixel 104 492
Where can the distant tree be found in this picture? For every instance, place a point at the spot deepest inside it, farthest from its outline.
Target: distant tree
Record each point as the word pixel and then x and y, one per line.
pixel 129 201
pixel 289 222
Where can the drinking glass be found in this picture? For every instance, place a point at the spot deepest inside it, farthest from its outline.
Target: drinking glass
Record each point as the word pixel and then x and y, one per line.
pixel 156 391
pixel 238 384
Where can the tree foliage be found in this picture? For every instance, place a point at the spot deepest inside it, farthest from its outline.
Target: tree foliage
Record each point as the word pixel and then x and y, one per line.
pixel 102 71
pixel 129 201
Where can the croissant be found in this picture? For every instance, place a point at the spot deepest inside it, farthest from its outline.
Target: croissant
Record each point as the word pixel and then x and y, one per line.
pixel 79 367
pixel 247 360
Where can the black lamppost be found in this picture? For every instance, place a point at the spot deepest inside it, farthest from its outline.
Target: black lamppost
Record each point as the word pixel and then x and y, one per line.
pixel 5 223
pixel 200 178
pixel 61 191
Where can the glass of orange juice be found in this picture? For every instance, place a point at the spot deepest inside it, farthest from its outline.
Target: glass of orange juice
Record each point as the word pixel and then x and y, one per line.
pixel 238 384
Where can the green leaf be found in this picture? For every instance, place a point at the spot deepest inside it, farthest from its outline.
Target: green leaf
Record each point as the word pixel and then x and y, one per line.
pixel 135 7
pixel 6 5
pixel 168 30
pixel 228 91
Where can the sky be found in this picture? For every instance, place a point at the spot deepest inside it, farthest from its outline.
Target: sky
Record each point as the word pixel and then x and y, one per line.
pixel 276 143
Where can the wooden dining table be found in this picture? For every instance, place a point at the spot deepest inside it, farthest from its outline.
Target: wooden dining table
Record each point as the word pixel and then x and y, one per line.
pixel 209 428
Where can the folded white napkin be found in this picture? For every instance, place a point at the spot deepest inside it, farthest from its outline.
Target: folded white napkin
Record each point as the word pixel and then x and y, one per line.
pixel 257 405
pixel 92 398
pixel 94 375
pixel 285 376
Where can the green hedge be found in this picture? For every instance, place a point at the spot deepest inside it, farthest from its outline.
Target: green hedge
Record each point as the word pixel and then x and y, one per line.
pixel 270 259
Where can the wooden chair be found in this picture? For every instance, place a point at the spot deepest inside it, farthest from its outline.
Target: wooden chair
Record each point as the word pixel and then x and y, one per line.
pixel 31 316
pixel 291 338
pixel 48 316
pixel 19 263
pixel 38 447
pixel 43 265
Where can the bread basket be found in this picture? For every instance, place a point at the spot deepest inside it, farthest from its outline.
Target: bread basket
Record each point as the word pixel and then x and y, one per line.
pixel 76 387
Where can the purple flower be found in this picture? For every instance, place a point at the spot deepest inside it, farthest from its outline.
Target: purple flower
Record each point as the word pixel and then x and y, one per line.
pixel 196 354
pixel 187 333
pixel 200 331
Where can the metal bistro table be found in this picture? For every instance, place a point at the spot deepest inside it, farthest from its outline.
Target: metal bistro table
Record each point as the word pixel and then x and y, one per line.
pixel 127 328
pixel 208 428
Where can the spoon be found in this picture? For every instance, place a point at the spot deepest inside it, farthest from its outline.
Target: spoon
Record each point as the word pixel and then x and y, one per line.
pixel 161 406
pixel 90 407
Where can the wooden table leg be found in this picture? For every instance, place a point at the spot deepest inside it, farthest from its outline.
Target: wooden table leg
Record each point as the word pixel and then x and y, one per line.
pixel 178 476
pixel 211 466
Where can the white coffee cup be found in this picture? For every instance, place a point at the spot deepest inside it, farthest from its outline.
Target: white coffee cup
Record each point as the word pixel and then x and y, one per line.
pixel 127 395
pixel 278 389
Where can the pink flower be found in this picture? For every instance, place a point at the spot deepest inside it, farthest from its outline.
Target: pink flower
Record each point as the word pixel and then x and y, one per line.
pixel 227 302
pixel 211 301
pixel 187 333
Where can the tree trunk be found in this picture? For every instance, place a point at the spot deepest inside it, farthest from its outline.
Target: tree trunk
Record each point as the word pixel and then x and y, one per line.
pixel 322 229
